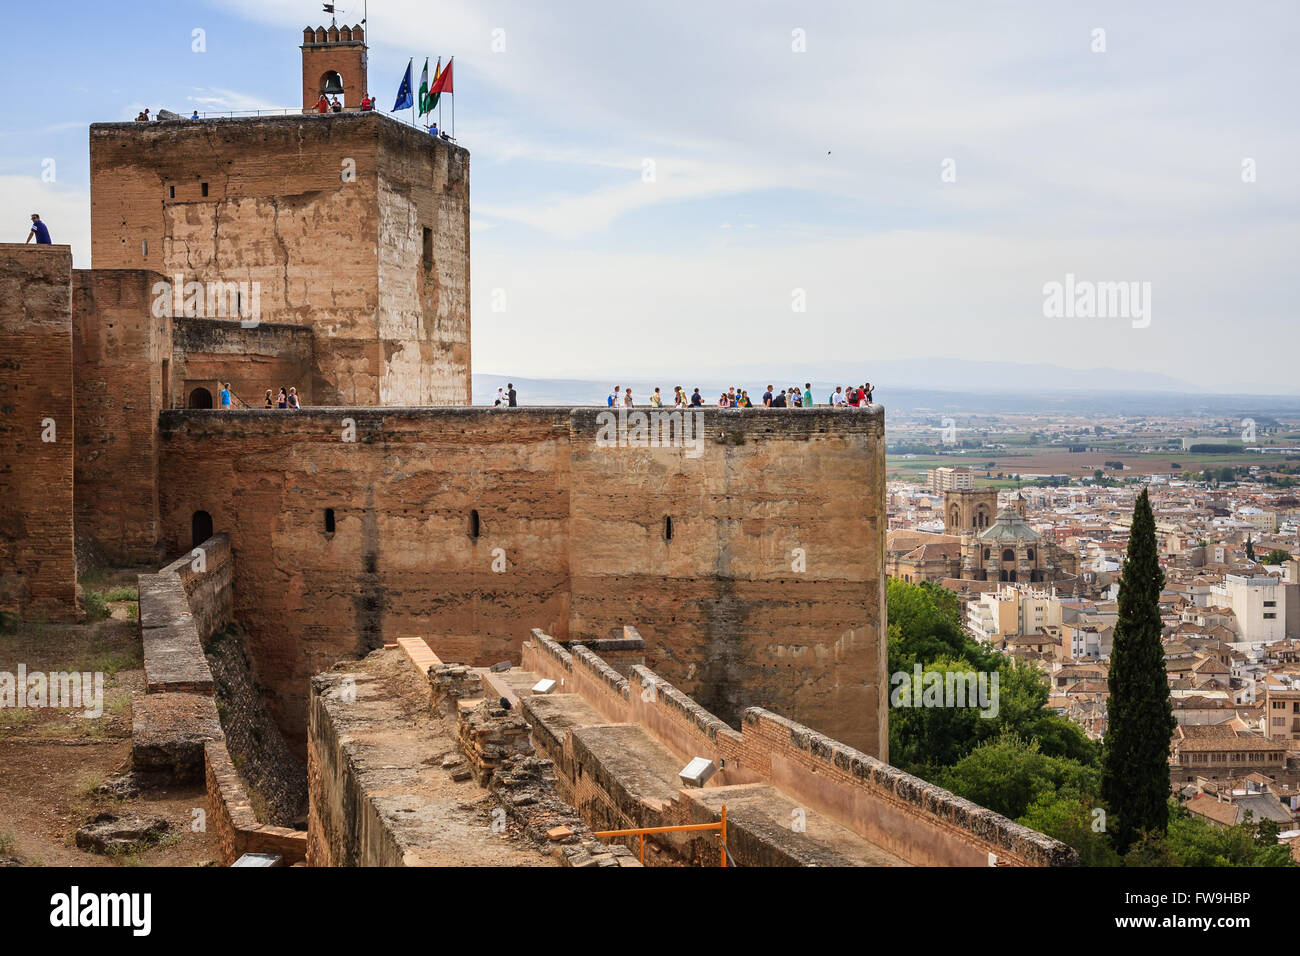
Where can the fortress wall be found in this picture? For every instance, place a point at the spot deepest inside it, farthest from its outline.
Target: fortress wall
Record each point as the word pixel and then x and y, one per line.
pixel 400 561
pixel 278 212
pixel 207 352
pixel 37 564
pixel 723 606
pixel 120 354
pixel 423 318
pixel 902 814
pixel 314 211
pixel 920 822
pixel 579 533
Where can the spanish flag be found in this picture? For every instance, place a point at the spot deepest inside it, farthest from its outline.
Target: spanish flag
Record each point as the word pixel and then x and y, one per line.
pixel 429 99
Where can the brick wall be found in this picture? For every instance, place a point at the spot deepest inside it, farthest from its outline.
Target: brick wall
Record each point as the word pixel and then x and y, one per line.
pixel 580 536
pixel 208 352
pixel 37 563
pixel 770 590
pixel 326 215
pixel 231 819
pixel 906 816
pixel 401 561
pixel 121 352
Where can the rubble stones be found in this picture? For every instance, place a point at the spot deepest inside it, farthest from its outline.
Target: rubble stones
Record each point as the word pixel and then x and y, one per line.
pixel 126 833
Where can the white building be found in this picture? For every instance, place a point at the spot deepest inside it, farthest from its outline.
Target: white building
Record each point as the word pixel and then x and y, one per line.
pixel 951 479
pixel 1259 602
pixel 1012 610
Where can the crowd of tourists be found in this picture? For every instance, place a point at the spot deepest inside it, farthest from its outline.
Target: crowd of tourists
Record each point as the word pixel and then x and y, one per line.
pixel 844 396
pixel 285 399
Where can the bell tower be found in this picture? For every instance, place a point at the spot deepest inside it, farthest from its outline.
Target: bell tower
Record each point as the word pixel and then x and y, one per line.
pixel 333 63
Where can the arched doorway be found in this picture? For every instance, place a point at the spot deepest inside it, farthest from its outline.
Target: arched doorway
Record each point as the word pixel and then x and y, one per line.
pixel 200 528
pixel 200 398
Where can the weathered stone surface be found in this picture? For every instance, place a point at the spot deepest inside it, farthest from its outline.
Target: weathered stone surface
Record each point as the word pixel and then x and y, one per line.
pixel 285 202
pixel 125 833
pixel 168 732
pixel 173 653
pixel 120 786
pixel 37 561
pixel 580 528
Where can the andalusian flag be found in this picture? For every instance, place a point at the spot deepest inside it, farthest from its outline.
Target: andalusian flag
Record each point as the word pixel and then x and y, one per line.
pixel 424 88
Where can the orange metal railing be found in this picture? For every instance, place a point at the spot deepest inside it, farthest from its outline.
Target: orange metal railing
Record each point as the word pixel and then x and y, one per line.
pixel 720 826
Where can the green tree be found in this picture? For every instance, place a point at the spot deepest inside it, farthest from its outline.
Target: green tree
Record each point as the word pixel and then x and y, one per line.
pixel 1250 549
pixel 1009 774
pixel 1135 757
pixel 1073 819
pixel 1276 556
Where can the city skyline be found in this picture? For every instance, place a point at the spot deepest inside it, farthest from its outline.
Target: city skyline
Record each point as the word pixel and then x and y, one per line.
pixel 645 190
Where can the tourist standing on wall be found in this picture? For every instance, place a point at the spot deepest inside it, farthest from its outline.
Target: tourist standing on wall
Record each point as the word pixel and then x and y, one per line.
pixel 512 397
pixel 293 397
pixel 656 399
pixel 225 396
pixel 627 398
pixel 807 395
pixel 697 400
pixel 270 403
pixel 282 399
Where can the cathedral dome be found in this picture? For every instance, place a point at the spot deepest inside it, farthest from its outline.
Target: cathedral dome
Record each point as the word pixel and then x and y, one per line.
pixel 1009 526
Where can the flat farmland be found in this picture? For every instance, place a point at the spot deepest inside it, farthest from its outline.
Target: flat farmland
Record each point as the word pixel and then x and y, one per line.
pixel 1075 464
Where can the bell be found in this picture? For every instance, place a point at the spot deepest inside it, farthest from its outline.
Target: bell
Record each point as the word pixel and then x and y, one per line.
pixel 333 85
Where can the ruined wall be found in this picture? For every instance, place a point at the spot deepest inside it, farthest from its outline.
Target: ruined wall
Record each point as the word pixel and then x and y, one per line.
pixel 770 591
pixel 292 206
pixel 37 563
pixel 208 352
pixel 718 606
pixel 230 814
pixel 922 824
pixel 121 354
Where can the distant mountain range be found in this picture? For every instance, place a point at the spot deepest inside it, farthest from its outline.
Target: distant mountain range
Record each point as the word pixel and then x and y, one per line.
pixel 951 385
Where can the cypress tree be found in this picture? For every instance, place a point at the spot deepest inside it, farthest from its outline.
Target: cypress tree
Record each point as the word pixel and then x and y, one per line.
pixel 1140 719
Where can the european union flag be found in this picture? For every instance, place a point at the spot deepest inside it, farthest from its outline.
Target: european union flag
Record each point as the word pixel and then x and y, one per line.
pixel 404 98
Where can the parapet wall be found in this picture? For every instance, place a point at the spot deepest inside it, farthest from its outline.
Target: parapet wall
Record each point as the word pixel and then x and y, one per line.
pixel 918 822
pixel 176 731
pixel 750 559
pixel 37 562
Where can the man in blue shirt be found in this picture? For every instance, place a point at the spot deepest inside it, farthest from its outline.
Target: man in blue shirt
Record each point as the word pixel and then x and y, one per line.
pixel 225 396
pixel 39 231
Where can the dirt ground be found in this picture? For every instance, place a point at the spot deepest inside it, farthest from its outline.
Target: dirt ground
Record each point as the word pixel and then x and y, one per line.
pixel 52 759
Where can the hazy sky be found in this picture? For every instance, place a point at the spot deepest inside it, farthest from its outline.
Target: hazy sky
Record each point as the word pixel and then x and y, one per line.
pixel 656 187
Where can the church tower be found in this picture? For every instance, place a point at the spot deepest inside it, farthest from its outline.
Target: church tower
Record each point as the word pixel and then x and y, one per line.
pixel 333 63
pixel 969 510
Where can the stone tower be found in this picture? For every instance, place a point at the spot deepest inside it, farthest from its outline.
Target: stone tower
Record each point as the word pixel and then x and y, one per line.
pixel 333 53
pixel 972 510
